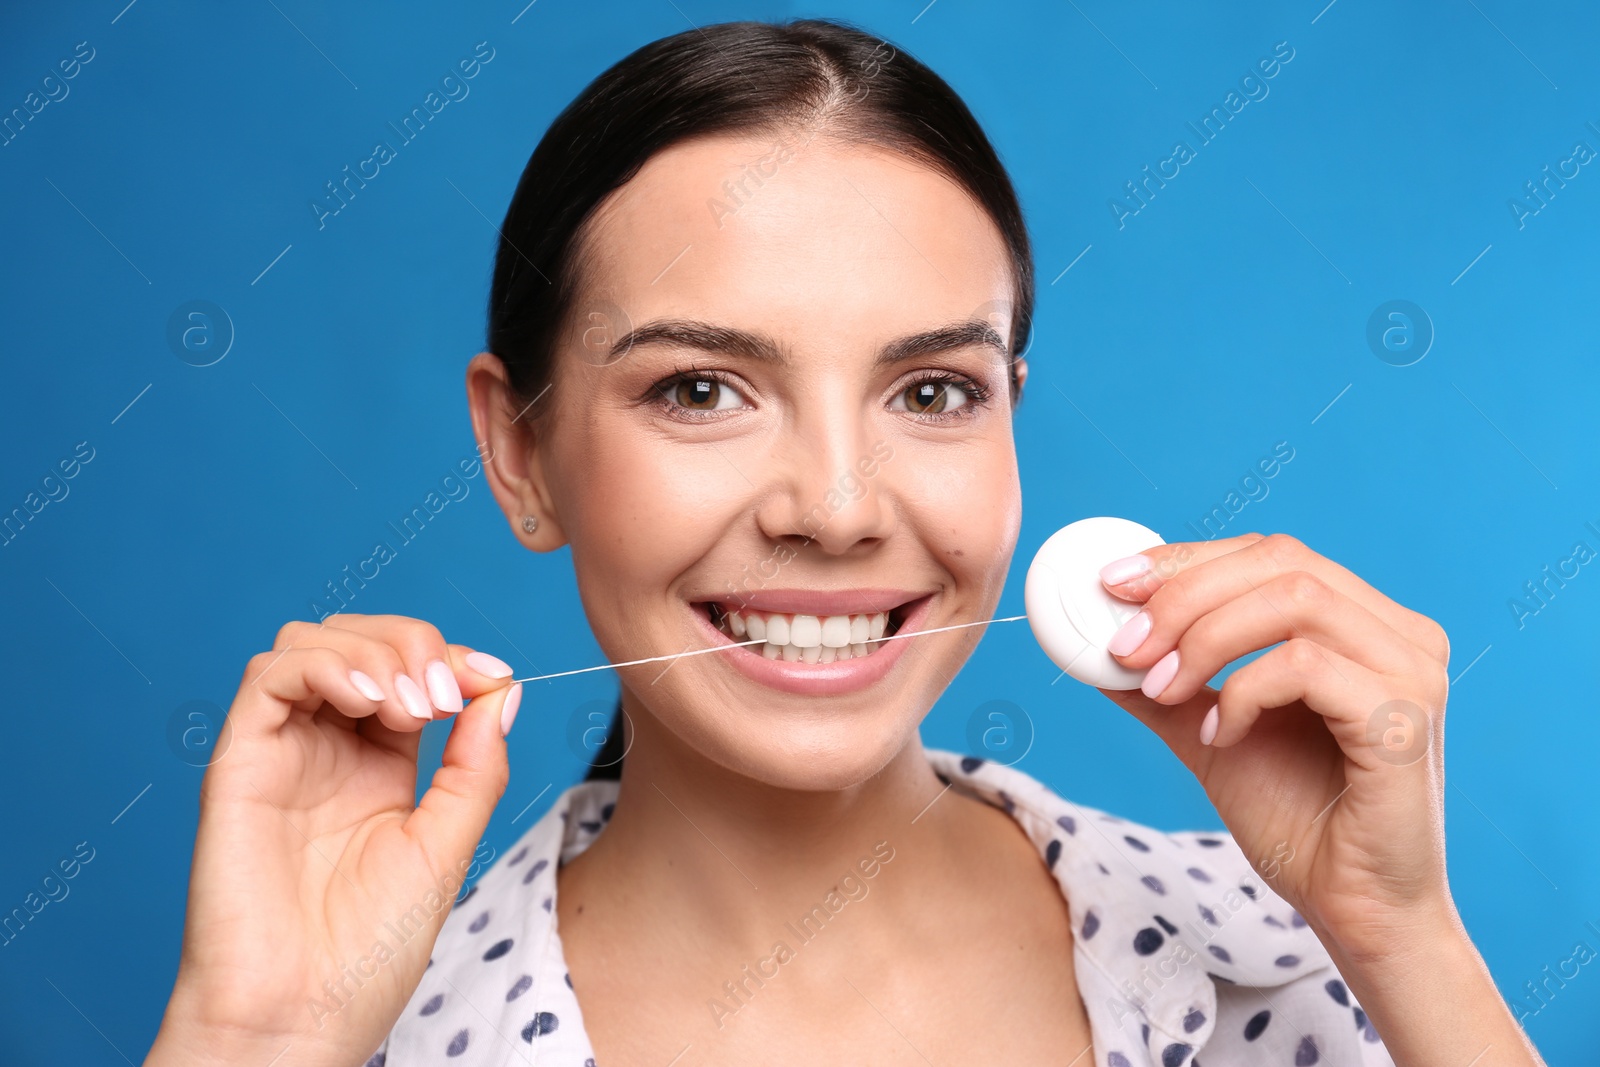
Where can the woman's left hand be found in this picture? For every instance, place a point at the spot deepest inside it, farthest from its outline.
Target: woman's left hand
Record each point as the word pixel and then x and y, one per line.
pixel 1325 755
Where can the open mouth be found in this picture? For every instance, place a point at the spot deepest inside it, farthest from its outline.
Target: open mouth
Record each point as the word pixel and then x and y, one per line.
pixel 800 638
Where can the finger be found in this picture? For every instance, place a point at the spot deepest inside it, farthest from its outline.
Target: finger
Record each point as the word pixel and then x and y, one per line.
pixel 1139 576
pixel 1190 641
pixel 442 675
pixel 277 684
pixel 404 708
pixel 1373 726
pixel 450 819
pixel 1183 563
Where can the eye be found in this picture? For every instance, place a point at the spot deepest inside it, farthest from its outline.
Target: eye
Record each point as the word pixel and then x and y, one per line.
pixel 698 393
pixel 941 394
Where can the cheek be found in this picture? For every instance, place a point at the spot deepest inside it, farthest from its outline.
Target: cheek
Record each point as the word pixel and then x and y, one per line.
pixel 635 505
pixel 970 505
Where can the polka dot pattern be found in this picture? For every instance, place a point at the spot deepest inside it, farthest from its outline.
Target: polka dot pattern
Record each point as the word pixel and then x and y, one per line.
pixel 1179 944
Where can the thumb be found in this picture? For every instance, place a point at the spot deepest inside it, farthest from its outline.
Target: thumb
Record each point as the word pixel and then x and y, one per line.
pixel 449 821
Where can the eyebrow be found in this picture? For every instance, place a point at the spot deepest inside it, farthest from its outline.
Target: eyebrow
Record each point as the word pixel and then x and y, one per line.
pixel 689 333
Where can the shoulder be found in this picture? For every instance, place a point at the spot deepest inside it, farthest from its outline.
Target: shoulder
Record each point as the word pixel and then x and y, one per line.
pixel 1181 942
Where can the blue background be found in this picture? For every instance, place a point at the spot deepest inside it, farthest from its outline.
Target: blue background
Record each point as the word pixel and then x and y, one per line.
pixel 1230 313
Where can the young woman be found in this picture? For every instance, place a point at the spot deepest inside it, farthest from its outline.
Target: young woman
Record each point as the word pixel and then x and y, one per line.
pixel 754 356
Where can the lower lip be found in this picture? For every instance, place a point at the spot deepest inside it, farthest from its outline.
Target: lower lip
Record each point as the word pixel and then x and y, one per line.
pixel 818 679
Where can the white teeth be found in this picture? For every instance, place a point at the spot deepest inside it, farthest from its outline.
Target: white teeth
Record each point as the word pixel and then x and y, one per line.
pixel 806 631
pixel 808 638
pixel 836 631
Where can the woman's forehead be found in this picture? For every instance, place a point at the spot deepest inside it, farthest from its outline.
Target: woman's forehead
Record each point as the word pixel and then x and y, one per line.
pixel 774 229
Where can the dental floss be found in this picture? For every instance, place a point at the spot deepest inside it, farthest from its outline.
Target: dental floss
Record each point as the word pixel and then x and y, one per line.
pixel 739 644
pixel 1072 613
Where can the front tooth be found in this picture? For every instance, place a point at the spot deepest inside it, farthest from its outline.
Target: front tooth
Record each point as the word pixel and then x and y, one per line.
pixel 791 653
pixel 805 631
pixel 811 653
pixel 843 653
pixel 858 650
pixel 756 626
pixel 736 624
pixel 827 654
pixel 771 651
pixel 836 631
pixel 778 629
pixel 860 629
pixel 879 622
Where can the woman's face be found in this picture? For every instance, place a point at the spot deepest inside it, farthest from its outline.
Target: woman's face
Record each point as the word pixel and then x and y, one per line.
pixel 810 426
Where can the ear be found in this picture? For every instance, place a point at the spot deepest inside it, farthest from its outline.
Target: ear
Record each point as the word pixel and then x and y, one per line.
pixel 513 459
pixel 1022 374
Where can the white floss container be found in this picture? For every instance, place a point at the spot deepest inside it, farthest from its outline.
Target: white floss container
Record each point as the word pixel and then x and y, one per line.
pixel 1069 609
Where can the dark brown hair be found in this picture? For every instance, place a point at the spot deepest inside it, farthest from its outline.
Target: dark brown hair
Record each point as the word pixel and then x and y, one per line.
pixel 824 76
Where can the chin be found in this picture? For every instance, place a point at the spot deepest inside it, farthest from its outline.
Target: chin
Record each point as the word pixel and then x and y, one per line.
pixel 825 750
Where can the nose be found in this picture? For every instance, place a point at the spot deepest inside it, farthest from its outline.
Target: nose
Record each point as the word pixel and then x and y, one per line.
pixel 829 489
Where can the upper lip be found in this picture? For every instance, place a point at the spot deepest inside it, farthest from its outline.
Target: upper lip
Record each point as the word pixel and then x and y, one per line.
pixel 817 601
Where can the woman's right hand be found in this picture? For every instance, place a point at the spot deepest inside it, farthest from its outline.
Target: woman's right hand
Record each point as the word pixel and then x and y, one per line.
pixel 318 887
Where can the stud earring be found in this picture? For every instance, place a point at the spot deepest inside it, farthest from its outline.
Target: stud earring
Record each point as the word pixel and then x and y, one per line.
pixel 530 523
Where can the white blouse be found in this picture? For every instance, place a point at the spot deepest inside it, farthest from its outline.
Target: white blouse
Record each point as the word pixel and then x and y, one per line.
pixel 1181 952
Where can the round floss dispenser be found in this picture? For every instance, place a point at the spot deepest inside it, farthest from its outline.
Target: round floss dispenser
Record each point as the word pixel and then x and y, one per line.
pixel 1072 614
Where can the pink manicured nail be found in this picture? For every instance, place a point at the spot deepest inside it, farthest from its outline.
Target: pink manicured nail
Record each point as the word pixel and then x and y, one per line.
pixel 1208 728
pixel 1161 675
pixel 411 696
pixel 488 665
pixel 1119 571
pixel 442 687
pixel 366 686
pixel 1130 636
pixel 508 710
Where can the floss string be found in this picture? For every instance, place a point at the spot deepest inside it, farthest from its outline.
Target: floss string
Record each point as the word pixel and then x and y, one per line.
pixel 741 644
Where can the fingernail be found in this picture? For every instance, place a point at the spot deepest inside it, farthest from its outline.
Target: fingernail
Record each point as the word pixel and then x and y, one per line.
pixel 508 710
pixel 1208 728
pixel 1130 636
pixel 366 686
pixel 488 665
pixel 411 696
pixel 1160 675
pixel 442 686
pixel 1119 571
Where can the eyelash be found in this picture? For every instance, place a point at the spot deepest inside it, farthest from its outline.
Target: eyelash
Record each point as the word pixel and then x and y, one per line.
pixel 660 394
